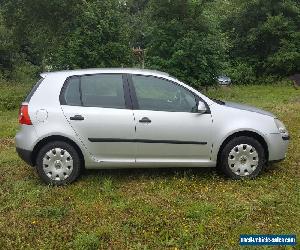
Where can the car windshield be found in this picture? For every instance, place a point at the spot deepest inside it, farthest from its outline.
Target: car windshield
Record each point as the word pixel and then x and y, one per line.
pixel 224 77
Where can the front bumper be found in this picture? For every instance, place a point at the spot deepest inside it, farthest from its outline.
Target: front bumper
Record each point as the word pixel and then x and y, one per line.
pixel 278 146
pixel 275 161
pixel 25 155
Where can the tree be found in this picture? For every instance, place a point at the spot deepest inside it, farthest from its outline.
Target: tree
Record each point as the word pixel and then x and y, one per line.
pixel 66 34
pixel 264 36
pixel 37 25
pixel 194 40
pixel 182 40
pixel 7 48
pixel 97 38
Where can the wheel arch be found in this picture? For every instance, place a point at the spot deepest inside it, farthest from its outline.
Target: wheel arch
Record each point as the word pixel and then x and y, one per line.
pixel 52 138
pixel 252 134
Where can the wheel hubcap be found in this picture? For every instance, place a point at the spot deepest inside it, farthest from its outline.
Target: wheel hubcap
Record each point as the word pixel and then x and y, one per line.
pixel 243 159
pixel 58 164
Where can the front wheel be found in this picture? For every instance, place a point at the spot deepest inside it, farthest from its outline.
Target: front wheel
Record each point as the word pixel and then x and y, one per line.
pixel 242 157
pixel 58 163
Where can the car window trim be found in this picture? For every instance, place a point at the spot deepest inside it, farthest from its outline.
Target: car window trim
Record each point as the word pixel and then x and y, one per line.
pixel 127 95
pixel 135 101
pixel 80 92
pixel 133 97
pixel 126 91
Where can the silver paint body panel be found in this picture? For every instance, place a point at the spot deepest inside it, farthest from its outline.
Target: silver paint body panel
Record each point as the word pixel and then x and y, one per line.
pixel 50 118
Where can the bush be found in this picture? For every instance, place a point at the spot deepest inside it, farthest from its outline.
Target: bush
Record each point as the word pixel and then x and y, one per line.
pixel 10 102
pixel 242 73
pixel 24 73
pixel 12 95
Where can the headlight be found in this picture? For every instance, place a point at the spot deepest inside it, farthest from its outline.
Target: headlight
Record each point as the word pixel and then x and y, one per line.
pixel 282 129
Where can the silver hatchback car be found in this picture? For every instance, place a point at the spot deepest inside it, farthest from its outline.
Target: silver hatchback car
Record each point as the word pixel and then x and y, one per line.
pixel 116 118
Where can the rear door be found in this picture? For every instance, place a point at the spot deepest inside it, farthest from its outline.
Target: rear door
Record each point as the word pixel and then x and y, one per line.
pixel 98 109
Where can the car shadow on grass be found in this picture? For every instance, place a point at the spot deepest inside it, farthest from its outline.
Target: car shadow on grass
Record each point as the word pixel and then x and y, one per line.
pixel 272 168
pixel 151 173
pixel 203 173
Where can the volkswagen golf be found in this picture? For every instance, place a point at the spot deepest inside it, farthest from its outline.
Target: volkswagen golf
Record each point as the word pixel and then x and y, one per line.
pixel 123 118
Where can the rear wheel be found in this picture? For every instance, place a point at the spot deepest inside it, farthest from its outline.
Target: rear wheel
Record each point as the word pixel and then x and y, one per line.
pixel 242 157
pixel 58 163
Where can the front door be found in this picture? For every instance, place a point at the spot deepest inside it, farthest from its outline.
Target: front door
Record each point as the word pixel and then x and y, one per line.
pixel 96 109
pixel 168 127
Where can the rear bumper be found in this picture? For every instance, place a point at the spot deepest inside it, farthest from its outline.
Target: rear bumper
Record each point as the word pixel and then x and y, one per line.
pixel 25 155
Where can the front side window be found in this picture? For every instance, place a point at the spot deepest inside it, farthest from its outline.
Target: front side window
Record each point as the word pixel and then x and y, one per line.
pixel 102 90
pixel 162 95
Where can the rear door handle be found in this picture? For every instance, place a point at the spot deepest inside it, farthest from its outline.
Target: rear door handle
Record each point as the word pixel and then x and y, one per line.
pixel 77 118
pixel 145 120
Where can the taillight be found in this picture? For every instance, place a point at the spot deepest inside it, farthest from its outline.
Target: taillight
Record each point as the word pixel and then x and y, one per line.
pixel 24 116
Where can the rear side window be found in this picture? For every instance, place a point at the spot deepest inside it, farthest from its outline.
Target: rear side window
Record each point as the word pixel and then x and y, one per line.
pixel 72 92
pixel 28 97
pixel 103 90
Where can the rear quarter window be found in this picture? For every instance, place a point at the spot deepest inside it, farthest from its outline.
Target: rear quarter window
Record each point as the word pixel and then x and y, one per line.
pixel 32 91
pixel 72 92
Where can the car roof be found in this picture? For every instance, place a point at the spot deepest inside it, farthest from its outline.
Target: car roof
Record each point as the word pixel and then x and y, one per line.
pixel 68 73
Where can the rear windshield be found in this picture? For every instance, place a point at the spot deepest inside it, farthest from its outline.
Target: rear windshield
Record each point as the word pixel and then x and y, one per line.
pixel 34 88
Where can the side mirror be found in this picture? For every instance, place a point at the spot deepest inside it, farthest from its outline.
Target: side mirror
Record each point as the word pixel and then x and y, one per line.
pixel 201 107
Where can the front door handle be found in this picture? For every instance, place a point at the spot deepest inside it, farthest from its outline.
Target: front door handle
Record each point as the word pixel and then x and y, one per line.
pixel 77 118
pixel 145 120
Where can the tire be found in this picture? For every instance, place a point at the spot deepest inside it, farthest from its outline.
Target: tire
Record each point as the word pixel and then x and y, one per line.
pixel 58 163
pixel 242 157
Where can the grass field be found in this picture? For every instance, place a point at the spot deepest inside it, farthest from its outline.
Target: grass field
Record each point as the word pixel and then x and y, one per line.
pixel 150 208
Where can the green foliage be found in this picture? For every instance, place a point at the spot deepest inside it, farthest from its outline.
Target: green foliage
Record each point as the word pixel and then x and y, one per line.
pixel 99 38
pixel 183 41
pixel 7 50
pixel 107 187
pixel 200 211
pixel 38 26
pixel 70 34
pixel 88 241
pixel 287 58
pixel 194 40
pixel 56 213
pixel 24 72
pixel 9 101
pixel 265 36
pixel 241 72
